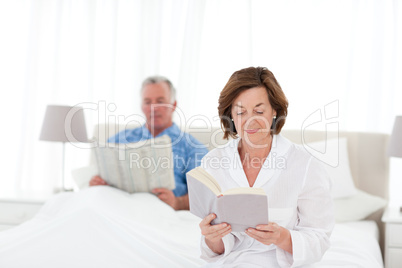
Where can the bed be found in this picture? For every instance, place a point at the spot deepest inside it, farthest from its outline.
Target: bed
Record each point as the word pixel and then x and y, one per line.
pixel 103 227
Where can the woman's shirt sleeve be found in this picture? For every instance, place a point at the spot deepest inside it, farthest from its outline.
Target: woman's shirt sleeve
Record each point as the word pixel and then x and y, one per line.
pixel 208 255
pixel 310 236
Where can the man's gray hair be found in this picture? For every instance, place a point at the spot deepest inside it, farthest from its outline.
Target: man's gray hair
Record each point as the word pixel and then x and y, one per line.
pixel 159 79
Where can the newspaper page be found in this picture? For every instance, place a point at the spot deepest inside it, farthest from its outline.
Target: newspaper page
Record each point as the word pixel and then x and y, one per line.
pixel 137 167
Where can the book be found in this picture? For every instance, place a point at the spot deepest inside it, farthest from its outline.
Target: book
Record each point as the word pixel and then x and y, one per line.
pixel 241 207
pixel 137 167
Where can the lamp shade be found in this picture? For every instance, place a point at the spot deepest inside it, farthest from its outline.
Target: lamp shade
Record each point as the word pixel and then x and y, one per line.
pixel 395 144
pixel 64 124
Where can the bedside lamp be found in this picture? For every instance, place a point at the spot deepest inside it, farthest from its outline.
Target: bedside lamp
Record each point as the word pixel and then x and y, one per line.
pixel 64 124
pixel 395 144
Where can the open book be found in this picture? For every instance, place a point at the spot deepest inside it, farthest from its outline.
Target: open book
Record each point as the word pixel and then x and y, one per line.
pixel 137 167
pixel 242 207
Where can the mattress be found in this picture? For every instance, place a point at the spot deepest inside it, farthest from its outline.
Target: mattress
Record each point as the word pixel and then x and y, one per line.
pixel 366 227
pixel 353 244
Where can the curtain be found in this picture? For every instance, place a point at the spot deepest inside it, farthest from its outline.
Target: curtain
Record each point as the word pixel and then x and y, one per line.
pixel 330 57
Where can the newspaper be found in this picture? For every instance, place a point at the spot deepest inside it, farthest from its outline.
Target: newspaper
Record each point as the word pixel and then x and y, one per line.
pixel 137 167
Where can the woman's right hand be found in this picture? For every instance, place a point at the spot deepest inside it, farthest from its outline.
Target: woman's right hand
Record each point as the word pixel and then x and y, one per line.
pixel 97 180
pixel 214 233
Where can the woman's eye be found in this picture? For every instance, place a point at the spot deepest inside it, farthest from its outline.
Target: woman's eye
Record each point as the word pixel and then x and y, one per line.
pixel 259 112
pixel 240 113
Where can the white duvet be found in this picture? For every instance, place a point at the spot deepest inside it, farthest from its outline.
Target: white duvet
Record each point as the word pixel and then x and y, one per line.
pixel 105 227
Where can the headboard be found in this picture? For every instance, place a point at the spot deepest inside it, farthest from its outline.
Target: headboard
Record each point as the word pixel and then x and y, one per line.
pixel 367 151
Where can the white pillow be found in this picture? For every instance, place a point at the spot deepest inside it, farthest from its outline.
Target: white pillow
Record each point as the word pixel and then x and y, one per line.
pixel 334 155
pixel 83 175
pixel 357 207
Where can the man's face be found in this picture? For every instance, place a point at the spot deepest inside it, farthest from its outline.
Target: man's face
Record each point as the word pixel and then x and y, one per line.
pixel 157 107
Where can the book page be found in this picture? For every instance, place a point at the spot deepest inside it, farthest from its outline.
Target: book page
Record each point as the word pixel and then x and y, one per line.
pixel 202 199
pixel 137 167
pixel 203 176
pixel 245 190
pixel 241 207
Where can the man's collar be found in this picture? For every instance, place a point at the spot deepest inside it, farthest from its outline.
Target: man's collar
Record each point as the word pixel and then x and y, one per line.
pixel 172 129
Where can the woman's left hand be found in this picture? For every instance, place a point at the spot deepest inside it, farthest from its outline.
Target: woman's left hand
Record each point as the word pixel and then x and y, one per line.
pixel 272 233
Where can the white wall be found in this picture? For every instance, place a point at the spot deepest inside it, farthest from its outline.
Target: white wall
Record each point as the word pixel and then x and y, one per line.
pixel 343 53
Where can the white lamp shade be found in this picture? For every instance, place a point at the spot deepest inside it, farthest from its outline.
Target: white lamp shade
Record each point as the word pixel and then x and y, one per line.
pixel 64 124
pixel 395 144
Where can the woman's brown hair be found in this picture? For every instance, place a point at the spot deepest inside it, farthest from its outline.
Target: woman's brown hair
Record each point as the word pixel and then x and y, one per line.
pixel 245 79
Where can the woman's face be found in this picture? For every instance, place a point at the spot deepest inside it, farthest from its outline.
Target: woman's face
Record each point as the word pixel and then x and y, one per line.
pixel 252 115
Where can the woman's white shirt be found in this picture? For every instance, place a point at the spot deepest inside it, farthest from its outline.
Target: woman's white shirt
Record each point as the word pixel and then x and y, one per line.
pixel 299 199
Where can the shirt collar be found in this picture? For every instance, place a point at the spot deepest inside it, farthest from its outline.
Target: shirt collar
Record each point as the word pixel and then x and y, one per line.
pixel 280 147
pixel 173 129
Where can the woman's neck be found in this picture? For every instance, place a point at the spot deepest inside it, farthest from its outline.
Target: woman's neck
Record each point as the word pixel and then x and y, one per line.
pixel 251 151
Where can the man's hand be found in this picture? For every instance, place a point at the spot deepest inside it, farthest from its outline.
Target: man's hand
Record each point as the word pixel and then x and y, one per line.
pixel 97 180
pixel 167 196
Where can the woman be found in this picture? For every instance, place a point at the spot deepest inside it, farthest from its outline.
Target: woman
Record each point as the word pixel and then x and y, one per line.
pixel 253 108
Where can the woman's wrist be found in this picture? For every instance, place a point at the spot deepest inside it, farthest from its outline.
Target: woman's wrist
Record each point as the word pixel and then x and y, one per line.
pixel 216 246
pixel 285 240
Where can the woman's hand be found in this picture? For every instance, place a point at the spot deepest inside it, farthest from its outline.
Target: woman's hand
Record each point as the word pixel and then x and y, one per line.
pixel 97 180
pixel 272 233
pixel 214 233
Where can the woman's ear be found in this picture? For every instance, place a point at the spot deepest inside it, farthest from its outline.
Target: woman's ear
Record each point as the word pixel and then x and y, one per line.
pixel 232 125
pixel 273 125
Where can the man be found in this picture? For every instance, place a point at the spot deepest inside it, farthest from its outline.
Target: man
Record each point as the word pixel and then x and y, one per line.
pixel 158 104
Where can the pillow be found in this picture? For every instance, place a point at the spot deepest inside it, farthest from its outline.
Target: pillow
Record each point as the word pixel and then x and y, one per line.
pixel 357 207
pixel 334 155
pixel 83 175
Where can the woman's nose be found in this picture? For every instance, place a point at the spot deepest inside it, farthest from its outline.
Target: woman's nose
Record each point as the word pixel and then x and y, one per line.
pixel 248 118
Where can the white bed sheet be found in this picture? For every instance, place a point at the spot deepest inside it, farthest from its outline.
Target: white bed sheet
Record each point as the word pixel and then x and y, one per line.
pixel 104 227
pixel 368 227
pixel 353 244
